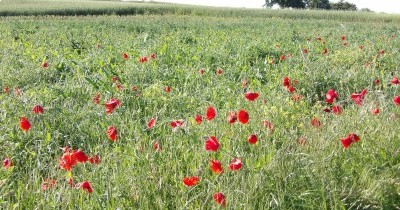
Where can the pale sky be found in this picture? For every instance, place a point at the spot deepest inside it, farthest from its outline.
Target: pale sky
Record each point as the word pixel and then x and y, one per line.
pixel 388 6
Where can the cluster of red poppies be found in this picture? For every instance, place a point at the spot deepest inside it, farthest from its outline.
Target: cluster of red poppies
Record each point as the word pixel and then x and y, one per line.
pixel 212 144
pixel 71 158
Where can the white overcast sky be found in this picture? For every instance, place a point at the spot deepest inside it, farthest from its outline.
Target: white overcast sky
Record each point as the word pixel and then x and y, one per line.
pixel 388 6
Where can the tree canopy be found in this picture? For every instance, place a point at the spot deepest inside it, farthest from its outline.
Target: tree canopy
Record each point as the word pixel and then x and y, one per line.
pixel 287 3
pixel 342 5
pixel 311 4
pixel 318 4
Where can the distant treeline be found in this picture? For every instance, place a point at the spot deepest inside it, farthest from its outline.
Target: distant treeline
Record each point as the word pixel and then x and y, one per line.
pixel 314 4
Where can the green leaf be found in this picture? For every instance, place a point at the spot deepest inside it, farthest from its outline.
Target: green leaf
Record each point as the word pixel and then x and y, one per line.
pixel 92 83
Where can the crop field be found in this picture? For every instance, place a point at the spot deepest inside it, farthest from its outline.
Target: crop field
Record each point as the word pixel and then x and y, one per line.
pixel 200 110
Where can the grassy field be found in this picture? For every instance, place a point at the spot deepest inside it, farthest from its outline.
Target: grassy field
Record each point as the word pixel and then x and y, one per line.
pixel 115 7
pixel 67 64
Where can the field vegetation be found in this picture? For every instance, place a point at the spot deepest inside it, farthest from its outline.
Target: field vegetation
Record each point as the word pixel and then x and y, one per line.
pixel 124 111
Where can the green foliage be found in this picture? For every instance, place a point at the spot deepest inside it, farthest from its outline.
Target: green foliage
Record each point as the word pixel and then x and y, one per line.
pixel 343 5
pixel 366 10
pixel 318 4
pixel 85 52
pixel 310 4
pixel 286 3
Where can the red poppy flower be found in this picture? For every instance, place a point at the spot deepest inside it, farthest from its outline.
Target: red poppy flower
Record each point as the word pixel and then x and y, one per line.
pixel 282 58
pixel 156 146
pixel 291 89
pixel 199 119
pixel 251 96
pixel 382 52
pixel 346 142
pixel 190 181
pixel 359 97
pixel 211 144
pixel 232 117
pixel 79 156
pixel 151 123
pixel 219 198
pixel 125 56
pixel 112 133
pixel 202 71
pixel 305 50
pixel 45 64
pixel 252 139
pixel 95 159
pixel 66 161
pixel 71 157
pixel 47 184
pixel 395 80
pixel 114 79
pixel 268 125
pixel 119 86
pixel 396 100
pixel 337 109
pixel 376 81
pixel 216 167
pixel 24 124
pixel 351 138
pixel 85 186
pixel 243 116
pixel 167 89
pixel 219 71
pixel 38 109
pixel 111 105
pixel 143 59
pixel 375 111
pixel 354 137
pixel 345 44
pixel 286 82
pixel 327 109
pixel 211 113
pixel 235 165
pixel 343 38
pixel 176 124
pixel 7 163
pixel 331 95
pixel 325 51
pixel 96 98
pixel 319 38
pixel 315 122
pixel 153 56
pixel 6 89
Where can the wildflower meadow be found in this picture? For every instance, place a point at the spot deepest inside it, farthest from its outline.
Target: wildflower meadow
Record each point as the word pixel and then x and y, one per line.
pixel 188 111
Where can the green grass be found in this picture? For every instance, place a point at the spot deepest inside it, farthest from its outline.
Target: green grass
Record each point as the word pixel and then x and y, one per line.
pixel 277 172
pixel 111 7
